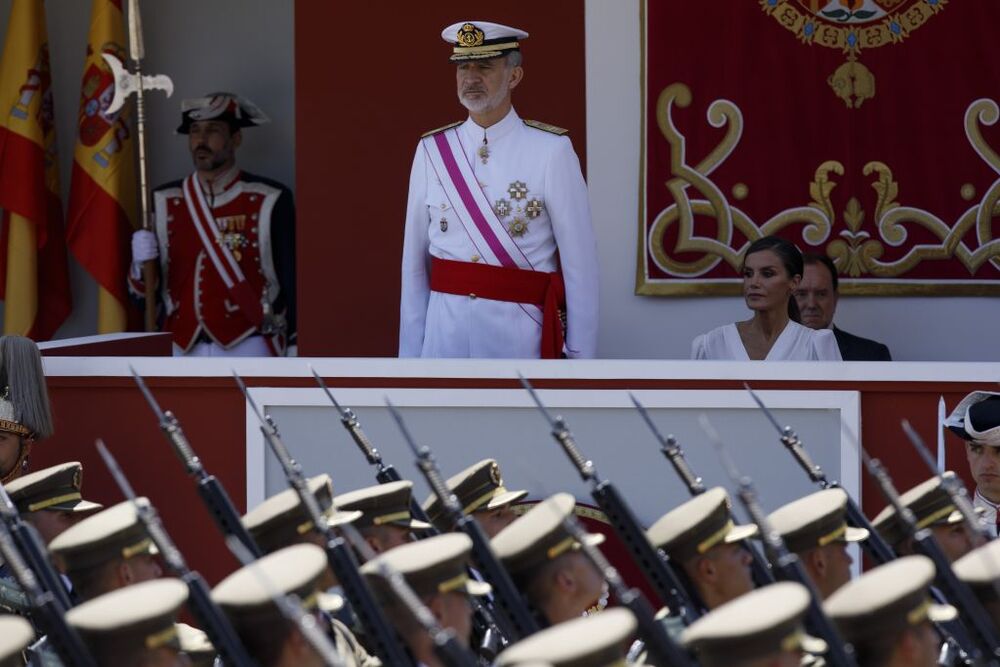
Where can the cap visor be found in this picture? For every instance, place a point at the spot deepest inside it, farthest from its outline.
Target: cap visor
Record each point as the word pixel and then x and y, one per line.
pixel 813 645
pixel 504 499
pixel 855 534
pixel 740 533
pixel 595 539
pixel 417 524
pixel 77 506
pixel 941 613
pixel 478 588
pixel 339 518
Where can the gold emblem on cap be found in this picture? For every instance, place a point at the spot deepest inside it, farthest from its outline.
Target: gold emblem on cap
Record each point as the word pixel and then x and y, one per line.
pixel 495 474
pixel 77 478
pixel 469 36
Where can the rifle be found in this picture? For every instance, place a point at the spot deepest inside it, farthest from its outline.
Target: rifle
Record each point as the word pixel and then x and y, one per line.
pixel 786 564
pixel 33 551
pixel 290 607
pixel 212 493
pixel 342 560
pixel 672 451
pixel 662 648
pixel 515 619
pixel 875 545
pixel 384 473
pixel 46 610
pixel 982 640
pixel 220 631
pixel 654 565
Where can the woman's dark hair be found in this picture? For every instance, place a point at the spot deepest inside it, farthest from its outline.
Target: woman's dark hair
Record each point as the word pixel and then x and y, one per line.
pixel 790 258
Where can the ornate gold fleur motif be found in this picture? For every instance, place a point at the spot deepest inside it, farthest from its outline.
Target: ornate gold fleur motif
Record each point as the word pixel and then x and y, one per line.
pixel 518 227
pixel 502 208
pixel 517 190
pixel 534 208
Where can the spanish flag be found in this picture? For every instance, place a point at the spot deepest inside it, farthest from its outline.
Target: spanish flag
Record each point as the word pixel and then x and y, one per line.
pixel 102 194
pixel 34 279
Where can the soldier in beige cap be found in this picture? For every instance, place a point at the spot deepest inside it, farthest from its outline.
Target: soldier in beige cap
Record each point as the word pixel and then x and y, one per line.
pixel 482 495
pixel 436 570
pixel 107 551
pixel 51 499
pixel 933 509
pixel 15 635
pixel 886 614
pixel 264 631
pixel 594 641
pixel 762 628
pixel 386 520
pixel 980 569
pixel 815 529
pixel 134 625
pixel 701 537
pixel 545 561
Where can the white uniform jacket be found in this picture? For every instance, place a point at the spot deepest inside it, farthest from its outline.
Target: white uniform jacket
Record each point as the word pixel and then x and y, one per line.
pixel 558 236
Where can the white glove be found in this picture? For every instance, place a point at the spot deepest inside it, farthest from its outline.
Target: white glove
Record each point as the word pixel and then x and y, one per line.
pixel 144 246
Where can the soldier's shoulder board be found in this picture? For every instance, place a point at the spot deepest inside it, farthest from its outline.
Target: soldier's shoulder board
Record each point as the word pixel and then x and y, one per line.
pixel 545 127
pixel 431 133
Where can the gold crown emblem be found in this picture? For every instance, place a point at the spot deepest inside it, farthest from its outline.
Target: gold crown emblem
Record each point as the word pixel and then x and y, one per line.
pixel 469 36
pixel 495 474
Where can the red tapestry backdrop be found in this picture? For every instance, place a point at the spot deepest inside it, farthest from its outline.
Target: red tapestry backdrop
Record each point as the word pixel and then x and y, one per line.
pixel 863 129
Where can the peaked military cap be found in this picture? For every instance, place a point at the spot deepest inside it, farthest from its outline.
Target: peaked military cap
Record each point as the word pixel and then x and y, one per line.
pixel 134 618
pixel 431 566
pixel 977 418
pixel 753 626
pixel 698 525
pixel 382 504
pixel 15 635
pixel 56 488
pixel 815 521
pixel 479 40
pixel 238 111
pixel 930 504
pixel 539 536
pixel 280 520
pixel 980 569
pixel 115 533
pixel 592 641
pixel 294 570
pixel 886 600
pixel 478 487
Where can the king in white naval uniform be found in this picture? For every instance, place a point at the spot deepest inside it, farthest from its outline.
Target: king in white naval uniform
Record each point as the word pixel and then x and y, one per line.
pixel 976 419
pixel 499 257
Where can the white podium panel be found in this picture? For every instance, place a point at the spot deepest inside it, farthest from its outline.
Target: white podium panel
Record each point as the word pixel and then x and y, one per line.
pixel 463 426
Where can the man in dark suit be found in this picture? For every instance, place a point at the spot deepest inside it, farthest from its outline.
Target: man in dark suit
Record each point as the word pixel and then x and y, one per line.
pixel 817 298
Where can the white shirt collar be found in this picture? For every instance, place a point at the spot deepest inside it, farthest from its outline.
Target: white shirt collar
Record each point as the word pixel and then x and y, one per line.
pixel 475 133
pixel 220 183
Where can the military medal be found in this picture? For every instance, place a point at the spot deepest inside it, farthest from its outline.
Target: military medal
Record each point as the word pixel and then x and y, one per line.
pixel 484 150
pixel 518 227
pixel 517 190
pixel 444 224
pixel 534 208
pixel 502 208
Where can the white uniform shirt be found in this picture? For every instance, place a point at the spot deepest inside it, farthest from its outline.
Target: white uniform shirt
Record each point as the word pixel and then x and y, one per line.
pixel 795 343
pixel 989 512
pixel 433 324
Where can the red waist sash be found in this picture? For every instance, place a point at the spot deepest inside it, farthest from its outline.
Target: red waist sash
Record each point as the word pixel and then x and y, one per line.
pixel 545 290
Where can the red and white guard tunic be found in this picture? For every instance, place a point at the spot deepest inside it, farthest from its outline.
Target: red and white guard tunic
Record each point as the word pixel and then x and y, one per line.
pixel 256 220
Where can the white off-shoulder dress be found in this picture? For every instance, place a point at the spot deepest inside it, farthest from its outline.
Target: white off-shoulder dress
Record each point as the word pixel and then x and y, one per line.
pixel 796 343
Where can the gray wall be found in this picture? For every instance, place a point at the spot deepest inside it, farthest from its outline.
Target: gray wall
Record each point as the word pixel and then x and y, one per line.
pixel 245 46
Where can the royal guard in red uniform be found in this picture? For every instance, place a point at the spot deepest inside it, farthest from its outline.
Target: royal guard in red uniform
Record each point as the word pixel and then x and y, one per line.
pixel 225 240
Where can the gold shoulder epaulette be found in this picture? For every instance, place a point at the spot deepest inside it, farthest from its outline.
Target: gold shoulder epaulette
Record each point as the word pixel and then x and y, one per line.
pixel 545 127
pixel 442 129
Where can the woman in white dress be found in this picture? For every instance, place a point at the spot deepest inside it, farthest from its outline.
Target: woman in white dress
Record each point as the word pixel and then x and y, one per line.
pixel 772 269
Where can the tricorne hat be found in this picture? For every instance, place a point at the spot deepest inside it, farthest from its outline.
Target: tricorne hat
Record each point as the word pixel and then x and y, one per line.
pixel 238 111
pixel 479 40
pixel 977 418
